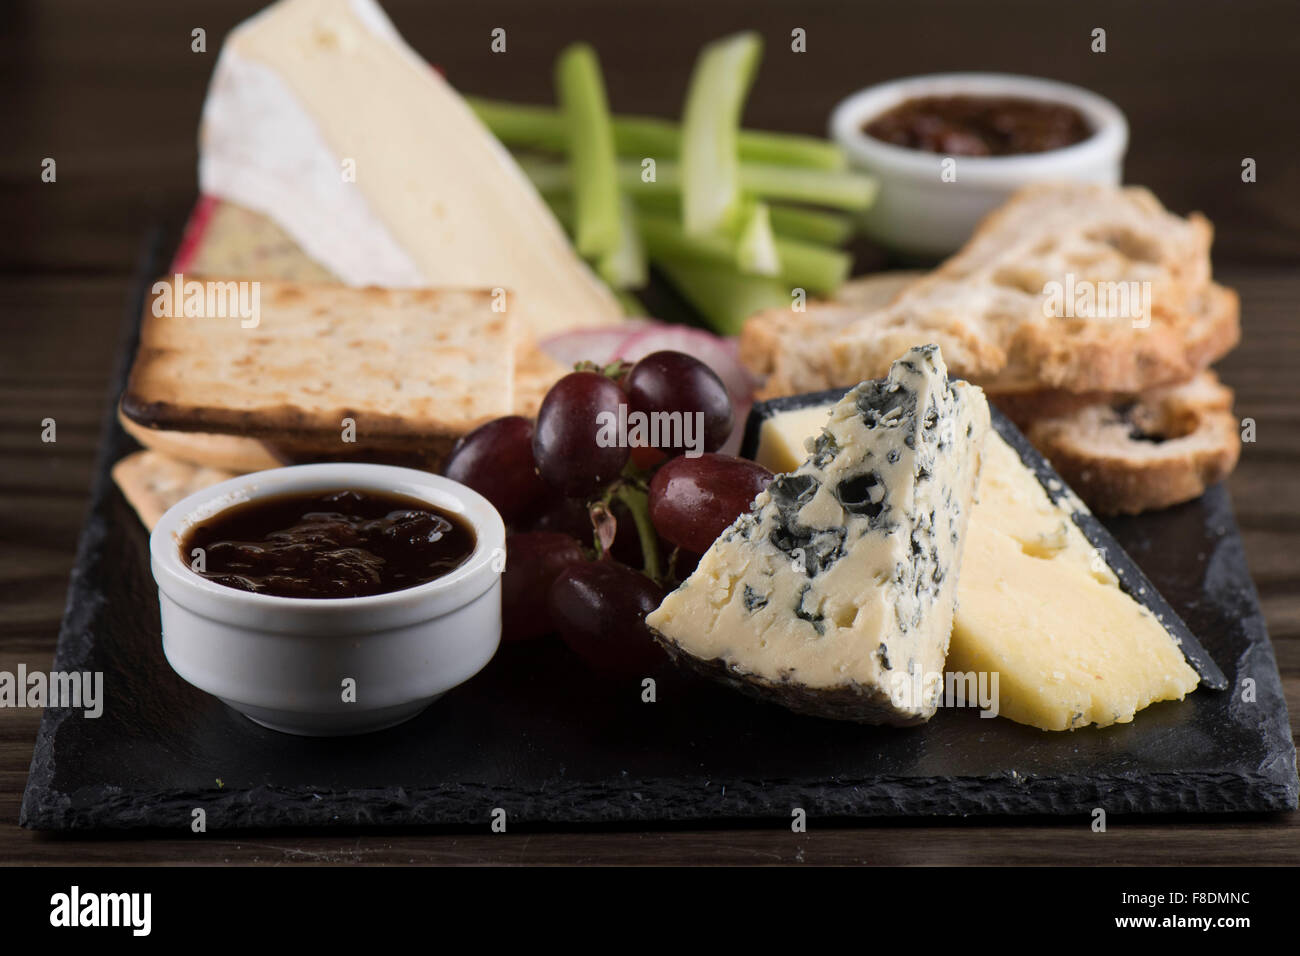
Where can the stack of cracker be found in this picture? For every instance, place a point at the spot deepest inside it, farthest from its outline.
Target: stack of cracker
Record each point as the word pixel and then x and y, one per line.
pixel 323 372
pixel 1088 315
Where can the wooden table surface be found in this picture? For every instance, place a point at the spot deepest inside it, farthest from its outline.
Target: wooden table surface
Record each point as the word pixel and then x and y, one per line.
pixel 112 93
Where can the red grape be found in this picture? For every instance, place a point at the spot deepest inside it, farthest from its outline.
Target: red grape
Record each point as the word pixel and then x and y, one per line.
pixel 496 460
pixel 684 563
pixel 565 444
pixel 599 609
pixel 647 458
pixel 677 382
pixel 569 515
pixel 693 500
pixel 533 561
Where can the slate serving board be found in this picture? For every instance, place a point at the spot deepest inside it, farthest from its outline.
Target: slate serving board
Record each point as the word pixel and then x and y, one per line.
pixel 534 735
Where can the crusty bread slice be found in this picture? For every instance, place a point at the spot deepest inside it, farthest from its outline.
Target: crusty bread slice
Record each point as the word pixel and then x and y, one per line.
pixel 409 367
pixel 788 349
pixel 1148 451
pixel 152 482
pixel 989 310
pixel 1213 330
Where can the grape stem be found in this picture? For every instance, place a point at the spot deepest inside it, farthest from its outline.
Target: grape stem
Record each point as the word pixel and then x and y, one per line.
pixel 638 504
pixel 605 526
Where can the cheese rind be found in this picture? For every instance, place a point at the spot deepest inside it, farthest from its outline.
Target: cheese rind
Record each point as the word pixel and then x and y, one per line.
pixel 1037 602
pixel 834 594
pixel 319 116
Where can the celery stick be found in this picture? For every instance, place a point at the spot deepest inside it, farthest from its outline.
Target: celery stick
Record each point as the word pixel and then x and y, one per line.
pixel 632 306
pixel 841 190
pixel 803 265
pixel 542 127
pixel 848 191
pixel 549 177
pixel 665 239
pixel 715 99
pixel 788 222
pixel 790 149
pixel 581 91
pixel 561 204
pixel 814 225
pixel 755 243
pixel 812 267
pixel 722 295
pixel 641 136
pixel 624 266
pixel 520 126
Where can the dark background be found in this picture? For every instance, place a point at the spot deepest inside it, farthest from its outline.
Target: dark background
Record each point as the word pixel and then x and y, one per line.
pixel 112 92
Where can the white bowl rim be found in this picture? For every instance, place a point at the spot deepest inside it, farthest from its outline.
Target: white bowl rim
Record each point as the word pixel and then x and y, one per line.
pixel 449 495
pixel 1107 142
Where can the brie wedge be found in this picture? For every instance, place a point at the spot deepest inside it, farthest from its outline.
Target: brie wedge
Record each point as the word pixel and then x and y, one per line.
pixel 321 117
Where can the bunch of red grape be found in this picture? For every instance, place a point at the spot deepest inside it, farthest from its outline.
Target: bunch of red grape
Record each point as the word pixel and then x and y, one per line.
pixel 600 531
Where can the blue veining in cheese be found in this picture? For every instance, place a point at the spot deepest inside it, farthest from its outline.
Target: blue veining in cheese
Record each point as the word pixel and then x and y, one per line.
pixel 842 577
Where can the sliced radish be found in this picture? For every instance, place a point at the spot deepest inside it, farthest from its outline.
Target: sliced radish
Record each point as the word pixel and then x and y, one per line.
pixel 599 345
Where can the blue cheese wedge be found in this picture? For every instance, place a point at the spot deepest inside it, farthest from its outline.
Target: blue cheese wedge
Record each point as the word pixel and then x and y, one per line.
pixel 1048 600
pixel 834 594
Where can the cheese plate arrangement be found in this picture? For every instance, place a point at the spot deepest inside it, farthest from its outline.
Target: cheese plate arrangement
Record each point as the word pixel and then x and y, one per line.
pixel 415 507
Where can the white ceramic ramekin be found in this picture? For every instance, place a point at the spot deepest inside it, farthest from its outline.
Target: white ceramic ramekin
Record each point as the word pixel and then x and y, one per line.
pixel 920 215
pixel 282 662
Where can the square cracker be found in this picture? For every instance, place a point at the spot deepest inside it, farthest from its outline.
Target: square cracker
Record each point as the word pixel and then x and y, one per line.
pixel 153 482
pixel 406 365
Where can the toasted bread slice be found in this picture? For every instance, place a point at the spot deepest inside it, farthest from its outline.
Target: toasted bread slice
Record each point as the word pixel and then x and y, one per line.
pixel 410 368
pixel 1213 331
pixel 1148 451
pixel 152 482
pixel 788 349
pixel 1011 310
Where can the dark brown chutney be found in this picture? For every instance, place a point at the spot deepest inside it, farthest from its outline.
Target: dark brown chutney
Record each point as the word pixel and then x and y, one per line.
pixel 328 544
pixel 979 125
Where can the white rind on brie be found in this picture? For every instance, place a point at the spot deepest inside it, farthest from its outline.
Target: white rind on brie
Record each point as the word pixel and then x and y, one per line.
pixel 309 92
pixel 260 150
